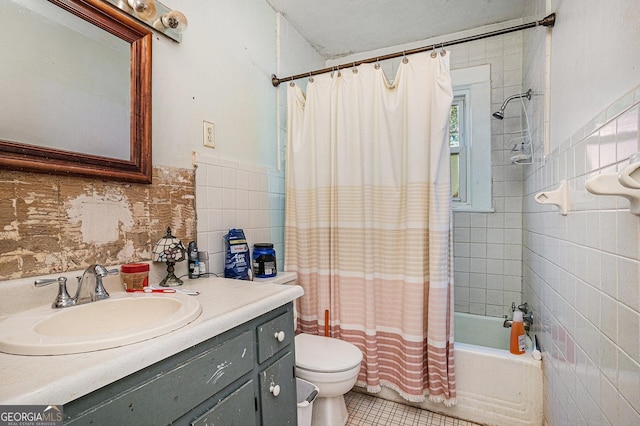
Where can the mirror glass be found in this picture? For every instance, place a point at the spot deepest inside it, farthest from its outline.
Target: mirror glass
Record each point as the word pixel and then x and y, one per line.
pixel 74 77
pixel 75 85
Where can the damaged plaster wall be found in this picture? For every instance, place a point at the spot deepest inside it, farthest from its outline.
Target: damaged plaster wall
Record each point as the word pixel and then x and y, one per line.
pixel 52 224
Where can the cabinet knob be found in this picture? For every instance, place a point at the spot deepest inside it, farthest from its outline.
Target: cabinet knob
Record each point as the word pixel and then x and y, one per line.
pixel 279 336
pixel 274 389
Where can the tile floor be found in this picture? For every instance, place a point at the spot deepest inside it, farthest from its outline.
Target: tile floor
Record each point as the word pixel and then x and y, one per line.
pixel 367 410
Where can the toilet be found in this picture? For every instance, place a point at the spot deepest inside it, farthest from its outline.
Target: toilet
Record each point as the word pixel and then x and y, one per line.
pixel 329 363
pixel 333 366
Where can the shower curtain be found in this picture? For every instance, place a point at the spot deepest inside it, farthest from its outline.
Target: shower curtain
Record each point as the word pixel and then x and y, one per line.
pixel 368 219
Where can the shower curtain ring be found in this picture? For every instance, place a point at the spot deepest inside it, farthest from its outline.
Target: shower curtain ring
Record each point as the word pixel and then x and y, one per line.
pixel 404 58
pixel 310 77
pixel 442 51
pixel 291 83
pixel 377 65
pixel 433 51
pixel 354 69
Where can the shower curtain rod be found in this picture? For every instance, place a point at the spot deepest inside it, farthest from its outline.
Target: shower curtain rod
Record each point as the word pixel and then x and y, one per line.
pixel 547 21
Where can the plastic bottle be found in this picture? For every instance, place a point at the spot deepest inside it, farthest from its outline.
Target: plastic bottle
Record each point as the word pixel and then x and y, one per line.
pixel 517 334
pixel 192 255
pixel 203 263
pixel 264 260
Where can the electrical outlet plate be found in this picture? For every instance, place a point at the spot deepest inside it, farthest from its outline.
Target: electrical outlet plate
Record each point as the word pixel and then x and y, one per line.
pixel 208 133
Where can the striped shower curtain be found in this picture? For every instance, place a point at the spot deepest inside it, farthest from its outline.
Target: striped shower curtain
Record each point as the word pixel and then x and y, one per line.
pixel 368 219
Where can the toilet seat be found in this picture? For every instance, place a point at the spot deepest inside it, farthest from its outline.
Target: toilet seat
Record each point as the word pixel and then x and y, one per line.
pixel 325 354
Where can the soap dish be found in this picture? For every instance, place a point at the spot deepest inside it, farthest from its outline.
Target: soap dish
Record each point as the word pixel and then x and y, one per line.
pixel 630 175
pixel 559 197
pixel 609 184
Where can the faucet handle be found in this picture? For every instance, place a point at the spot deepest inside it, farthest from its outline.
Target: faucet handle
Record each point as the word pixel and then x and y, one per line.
pixel 46 281
pixel 63 299
pixel 524 307
pixel 101 292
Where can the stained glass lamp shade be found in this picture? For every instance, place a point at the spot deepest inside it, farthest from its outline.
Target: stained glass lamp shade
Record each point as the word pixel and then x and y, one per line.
pixel 169 250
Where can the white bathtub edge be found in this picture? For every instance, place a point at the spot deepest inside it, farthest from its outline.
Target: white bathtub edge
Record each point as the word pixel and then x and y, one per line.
pixel 493 386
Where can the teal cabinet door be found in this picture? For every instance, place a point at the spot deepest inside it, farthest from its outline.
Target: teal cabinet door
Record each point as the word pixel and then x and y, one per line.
pixel 235 410
pixel 278 393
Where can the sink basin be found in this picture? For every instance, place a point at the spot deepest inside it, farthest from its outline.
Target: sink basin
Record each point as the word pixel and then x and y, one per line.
pixel 120 320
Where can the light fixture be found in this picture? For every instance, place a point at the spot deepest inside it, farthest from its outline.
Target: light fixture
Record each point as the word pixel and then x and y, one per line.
pixel 169 250
pixel 175 20
pixel 155 15
pixel 145 9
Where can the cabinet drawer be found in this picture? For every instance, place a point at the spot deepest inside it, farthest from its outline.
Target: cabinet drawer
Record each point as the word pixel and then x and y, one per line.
pixel 167 395
pixel 235 410
pixel 274 335
pixel 279 405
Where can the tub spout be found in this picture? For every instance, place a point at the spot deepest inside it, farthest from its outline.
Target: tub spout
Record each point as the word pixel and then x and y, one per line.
pixel 527 319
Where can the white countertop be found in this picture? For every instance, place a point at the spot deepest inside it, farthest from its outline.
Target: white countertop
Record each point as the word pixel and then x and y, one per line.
pixel 60 379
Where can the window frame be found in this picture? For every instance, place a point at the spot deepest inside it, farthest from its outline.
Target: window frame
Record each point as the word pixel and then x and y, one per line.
pixel 474 84
pixel 462 149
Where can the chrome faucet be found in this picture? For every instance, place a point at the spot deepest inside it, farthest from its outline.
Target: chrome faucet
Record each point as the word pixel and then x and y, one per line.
pixel 90 287
pixel 527 317
pixel 524 307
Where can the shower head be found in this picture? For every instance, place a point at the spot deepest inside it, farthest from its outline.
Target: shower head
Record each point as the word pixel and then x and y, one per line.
pixel 500 113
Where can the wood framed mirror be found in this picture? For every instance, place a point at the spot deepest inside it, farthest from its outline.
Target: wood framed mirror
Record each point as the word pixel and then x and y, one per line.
pixel 89 114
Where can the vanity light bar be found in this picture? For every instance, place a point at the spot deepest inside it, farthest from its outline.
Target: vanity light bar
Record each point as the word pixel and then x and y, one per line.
pixel 155 15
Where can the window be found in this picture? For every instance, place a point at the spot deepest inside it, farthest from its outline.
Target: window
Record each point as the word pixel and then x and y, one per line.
pixel 458 151
pixel 470 139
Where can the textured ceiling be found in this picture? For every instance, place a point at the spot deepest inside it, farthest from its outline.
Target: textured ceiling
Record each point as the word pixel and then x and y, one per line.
pixel 337 28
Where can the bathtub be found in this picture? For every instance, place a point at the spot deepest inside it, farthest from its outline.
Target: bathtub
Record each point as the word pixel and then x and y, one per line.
pixel 494 387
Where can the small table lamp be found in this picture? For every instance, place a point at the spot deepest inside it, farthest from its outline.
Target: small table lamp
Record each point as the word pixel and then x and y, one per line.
pixel 169 250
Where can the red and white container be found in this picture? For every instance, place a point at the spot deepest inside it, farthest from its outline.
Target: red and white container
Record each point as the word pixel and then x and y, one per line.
pixel 134 276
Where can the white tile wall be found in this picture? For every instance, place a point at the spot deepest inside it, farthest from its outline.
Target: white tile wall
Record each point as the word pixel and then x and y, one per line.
pixel 235 194
pixel 581 275
pixel 232 194
pixel 487 246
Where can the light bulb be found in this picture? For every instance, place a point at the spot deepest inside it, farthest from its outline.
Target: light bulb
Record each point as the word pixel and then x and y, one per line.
pixel 145 9
pixel 175 20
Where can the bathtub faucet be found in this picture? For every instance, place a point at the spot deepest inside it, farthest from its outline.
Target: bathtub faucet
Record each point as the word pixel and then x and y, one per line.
pixel 527 317
pixel 523 307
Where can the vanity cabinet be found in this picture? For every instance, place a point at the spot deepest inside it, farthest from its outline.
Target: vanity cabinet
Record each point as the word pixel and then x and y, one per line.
pixel 244 376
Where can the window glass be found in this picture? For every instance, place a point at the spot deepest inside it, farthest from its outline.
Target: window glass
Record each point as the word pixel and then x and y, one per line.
pixel 455 176
pixel 470 139
pixel 454 129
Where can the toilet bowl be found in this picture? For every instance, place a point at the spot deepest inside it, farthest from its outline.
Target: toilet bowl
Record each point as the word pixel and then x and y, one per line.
pixel 330 364
pixel 333 366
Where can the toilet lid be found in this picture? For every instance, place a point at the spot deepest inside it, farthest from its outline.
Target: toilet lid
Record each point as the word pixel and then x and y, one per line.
pixel 320 353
